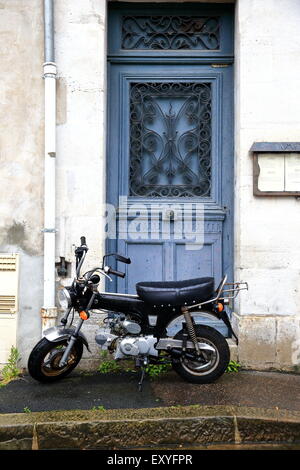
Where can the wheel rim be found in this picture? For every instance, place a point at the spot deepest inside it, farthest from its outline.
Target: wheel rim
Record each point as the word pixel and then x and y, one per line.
pixel 50 363
pixel 208 363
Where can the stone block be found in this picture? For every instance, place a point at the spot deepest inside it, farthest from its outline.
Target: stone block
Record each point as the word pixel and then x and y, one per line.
pixel 233 347
pixel 288 343
pixel 16 437
pixel 118 434
pixel 257 338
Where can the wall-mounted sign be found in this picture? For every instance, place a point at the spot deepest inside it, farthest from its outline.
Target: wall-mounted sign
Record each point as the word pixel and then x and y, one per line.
pixel 276 168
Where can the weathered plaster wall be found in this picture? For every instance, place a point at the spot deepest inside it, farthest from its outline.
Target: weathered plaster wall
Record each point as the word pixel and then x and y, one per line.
pixel 22 120
pixel 81 61
pixel 267 242
pixel 80 40
pixel 21 158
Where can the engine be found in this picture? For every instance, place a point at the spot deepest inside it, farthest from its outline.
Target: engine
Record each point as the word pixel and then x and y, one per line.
pixel 140 346
pixel 121 338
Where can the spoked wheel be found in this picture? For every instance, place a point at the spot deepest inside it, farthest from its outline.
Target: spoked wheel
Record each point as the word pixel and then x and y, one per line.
pixel 43 363
pixel 213 361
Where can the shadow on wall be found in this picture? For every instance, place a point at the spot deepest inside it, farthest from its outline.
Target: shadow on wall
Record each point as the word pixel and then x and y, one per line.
pixel 17 234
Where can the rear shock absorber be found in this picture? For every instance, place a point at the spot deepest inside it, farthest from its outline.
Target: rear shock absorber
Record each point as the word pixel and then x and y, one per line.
pixel 191 329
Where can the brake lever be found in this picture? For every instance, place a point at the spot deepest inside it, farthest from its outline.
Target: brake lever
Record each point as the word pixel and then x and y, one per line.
pixel 100 270
pixel 108 277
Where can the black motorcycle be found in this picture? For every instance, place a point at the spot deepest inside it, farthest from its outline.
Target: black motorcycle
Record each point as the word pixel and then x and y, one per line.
pixel 160 324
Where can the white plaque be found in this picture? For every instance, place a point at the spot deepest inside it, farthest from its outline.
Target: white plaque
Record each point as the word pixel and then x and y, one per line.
pixel 292 172
pixel 271 176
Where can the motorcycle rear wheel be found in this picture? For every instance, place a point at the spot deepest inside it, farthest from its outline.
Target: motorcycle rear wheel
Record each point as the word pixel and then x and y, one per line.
pixel 43 362
pixel 212 365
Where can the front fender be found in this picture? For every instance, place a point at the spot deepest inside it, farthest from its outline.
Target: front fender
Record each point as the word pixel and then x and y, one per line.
pixel 60 333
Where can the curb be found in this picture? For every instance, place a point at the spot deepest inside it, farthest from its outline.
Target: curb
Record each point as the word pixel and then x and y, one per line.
pixel 120 429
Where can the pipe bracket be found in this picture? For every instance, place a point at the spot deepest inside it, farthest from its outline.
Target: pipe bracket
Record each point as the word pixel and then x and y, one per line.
pixel 49 230
pixel 50 69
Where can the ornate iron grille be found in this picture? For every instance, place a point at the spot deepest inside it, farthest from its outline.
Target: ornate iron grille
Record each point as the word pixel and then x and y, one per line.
pixel 170 139
pixel 170 32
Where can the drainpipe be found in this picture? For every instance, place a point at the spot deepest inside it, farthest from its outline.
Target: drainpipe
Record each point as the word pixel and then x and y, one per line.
pixel 49 310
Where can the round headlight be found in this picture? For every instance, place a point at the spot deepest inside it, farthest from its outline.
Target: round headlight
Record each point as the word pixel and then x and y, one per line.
pixel 64 298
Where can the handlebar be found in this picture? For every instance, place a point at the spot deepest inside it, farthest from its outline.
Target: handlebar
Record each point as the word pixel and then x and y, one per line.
pixel 118 257
pixel 123 259
pixel 82 248
pixel 117 273
pixel 80 253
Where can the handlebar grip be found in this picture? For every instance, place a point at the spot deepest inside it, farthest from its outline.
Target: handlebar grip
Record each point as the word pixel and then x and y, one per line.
pixel 123 259
pixel 83 241
pixel 117 273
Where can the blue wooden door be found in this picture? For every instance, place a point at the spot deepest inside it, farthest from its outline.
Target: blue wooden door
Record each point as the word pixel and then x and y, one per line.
pixel 170 145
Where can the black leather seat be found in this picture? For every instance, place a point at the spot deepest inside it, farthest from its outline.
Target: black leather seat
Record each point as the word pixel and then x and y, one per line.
pixel 176 293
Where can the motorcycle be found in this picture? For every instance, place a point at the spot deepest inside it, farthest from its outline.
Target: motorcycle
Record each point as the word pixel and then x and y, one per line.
pixel 159 324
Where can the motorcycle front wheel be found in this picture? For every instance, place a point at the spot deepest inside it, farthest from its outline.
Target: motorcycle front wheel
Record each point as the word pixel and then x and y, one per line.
pixel 43 362
pixel 211 365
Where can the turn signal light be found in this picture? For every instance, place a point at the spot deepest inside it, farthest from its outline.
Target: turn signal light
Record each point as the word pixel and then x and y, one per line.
pixel 220 307
pixel 83 315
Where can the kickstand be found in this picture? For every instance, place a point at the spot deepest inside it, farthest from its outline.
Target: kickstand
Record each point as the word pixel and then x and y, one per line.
pixel 140 384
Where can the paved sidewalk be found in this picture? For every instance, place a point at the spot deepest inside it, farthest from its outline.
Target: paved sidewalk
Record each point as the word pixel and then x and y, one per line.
pixel 119 391
pixel 100 411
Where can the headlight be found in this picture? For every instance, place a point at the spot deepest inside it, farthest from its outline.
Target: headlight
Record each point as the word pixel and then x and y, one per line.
pixel 64 298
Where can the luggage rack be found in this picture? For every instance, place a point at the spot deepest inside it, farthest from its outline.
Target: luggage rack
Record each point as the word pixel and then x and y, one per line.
pixel 230 289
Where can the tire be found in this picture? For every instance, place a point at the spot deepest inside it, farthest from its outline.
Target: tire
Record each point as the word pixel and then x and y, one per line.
pixel 48 371
pixel 214 364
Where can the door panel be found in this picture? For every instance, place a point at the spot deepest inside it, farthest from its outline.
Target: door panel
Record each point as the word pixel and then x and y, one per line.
pixel 168 123
pixel 200 263
pixel 148 263
pixel 166 151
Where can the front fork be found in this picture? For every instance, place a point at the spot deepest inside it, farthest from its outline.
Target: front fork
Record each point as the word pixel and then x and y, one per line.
pixel 74 337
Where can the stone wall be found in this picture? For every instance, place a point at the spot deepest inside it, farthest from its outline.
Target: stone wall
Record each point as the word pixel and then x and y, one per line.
pixel 267 243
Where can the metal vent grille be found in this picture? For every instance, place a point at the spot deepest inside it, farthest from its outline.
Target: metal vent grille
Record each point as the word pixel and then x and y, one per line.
pixel 8 263
pixel 9 277
pixel 7 304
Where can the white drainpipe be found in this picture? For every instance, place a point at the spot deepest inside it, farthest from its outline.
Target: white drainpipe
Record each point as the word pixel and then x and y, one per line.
pixel 49 310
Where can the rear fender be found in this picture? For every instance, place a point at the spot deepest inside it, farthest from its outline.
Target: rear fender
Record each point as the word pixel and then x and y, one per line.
pixel 59 333
pixel 175 324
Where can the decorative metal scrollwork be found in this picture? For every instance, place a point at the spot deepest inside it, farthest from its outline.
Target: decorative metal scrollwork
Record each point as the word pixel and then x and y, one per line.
pixel 170 139
pixel 170 32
